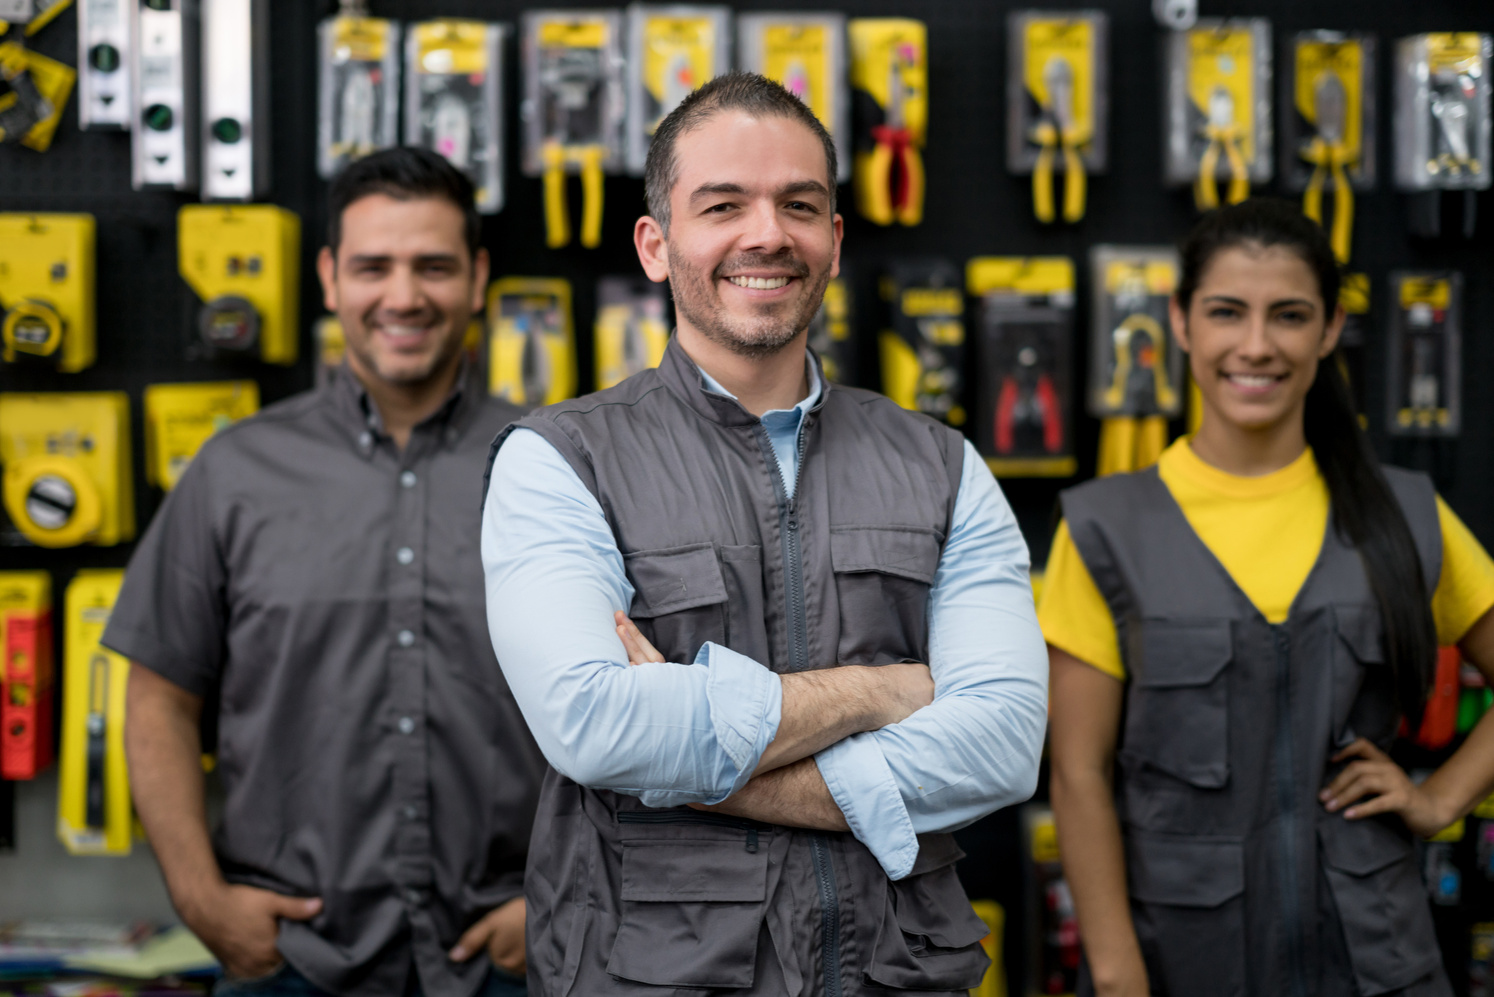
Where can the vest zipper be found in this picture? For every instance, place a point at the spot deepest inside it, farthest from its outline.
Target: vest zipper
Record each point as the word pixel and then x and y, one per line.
pixel 751 827
pixel 1286 797
pixel 824 871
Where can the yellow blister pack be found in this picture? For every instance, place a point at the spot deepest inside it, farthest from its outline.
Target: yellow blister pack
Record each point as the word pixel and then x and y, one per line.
pixel 1219 108
pixel 890 73
pixel 179 419
pixel 66 458
pixel 94 814
pixel 806 52
pixel 673 50
pixel 630 332
pixel 244 263
pixel 49 80
pixel 531 340
pixel 47 289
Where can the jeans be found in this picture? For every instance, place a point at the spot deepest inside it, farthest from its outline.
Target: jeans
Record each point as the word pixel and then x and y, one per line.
pixel 286 982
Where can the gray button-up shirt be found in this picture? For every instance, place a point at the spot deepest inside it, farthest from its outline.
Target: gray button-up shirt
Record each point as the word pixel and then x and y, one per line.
pixel 328 589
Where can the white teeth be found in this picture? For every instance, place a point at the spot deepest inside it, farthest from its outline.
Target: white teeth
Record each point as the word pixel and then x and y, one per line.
pixel 1252 380
pixel 401 331
pixel 759 283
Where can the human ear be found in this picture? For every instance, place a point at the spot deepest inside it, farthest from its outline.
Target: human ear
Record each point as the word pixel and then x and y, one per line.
pixel 653 248
pixel 1178 320
pixel 481 265
pixel 326 271
pixel 1332 332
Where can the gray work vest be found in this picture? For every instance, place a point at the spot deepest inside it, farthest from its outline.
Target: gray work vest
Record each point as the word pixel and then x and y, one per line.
pixel 623 899
pixel 1240 882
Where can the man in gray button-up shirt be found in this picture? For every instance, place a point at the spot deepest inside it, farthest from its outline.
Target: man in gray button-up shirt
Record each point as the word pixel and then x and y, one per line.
pixel 314 576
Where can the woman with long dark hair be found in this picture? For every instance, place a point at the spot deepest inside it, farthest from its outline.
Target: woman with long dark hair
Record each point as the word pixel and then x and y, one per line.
pixel 1234 637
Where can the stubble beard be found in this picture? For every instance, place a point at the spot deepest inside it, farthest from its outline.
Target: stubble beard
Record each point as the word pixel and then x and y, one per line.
pixel 400 374
pixel 762 335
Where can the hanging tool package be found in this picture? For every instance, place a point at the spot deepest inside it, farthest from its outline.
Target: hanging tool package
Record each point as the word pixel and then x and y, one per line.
pixel 1443 122
pixel 1425 368
pixel 890 80
pixel 923 353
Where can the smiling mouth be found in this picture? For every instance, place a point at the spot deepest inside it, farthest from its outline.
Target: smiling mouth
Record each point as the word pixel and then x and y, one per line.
pixel 405 332
pixel 760 283
pixel 1254 380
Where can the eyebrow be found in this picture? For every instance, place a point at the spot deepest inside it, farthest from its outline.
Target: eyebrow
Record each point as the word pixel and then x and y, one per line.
pixel 367 258
pixel 797 187
pixel 1285 302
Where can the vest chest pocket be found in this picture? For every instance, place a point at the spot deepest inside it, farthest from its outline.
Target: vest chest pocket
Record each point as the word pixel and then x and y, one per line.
pixel 1177 707
pixel 930 935
pixel 1188 906
pixel 882 580
pixel 1363 695
pixel 679 598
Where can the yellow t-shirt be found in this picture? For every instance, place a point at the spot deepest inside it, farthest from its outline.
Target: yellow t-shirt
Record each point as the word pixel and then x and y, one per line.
pixel 1284 513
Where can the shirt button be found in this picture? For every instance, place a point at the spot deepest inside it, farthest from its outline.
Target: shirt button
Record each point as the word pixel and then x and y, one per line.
pixel 407 479
pixel 410 812
pixel 365 440
pixel 406 725
pixel 404 555
pixel 413 897
pixel 406 638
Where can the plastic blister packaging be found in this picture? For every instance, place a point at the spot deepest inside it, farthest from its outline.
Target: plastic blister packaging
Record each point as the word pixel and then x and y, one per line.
pixel 1442 111
pixel 454 99
pixel 1134 369
pixel 923 353
pixel 1218 108
pixel 1329 111
pixel 806 52
pixel 358 89
pixel 632 328
pixel 831 332
pixel 1354 296
pixel 1424 362
pixel 103 64
pixel 890 84
pixel 531 342
pixel 672 50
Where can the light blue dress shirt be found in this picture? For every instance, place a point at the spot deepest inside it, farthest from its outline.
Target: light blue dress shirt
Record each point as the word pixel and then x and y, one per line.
pixel 676 733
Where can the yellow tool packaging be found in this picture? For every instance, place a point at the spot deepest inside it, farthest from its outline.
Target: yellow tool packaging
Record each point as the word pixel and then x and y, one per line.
pixel 454 99
pixel 1218 114
pixel 26 673
pixel 1057 104
pixel 1328 123
pixel 632 328
pixel 94 814
pixel 531 343
pixel 923 354
pixel 1354 296
pixel 66 457
pixel 103 64
pixel 1425 365
pixel 830 332
pixel 36 93
pixel 806 52
pixel 358 93
pixel 47 289
pixel 672 50
pixel 890 78
pixel 1052 923
pixel 574 107
pixel 1443 123
pixel 30 15
pixel 165 44
pixel 1136 375
pixel 244 263
pixel 1022 389
pixel 179 419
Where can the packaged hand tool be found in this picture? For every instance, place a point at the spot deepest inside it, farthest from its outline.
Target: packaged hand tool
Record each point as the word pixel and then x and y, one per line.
pixel 1443 122
pixel 164 46
pixel 179 419
pixel 1354 296
pixel 235 100
pixel 672 50
pixel 244 263
pixel 632 328
pixel 47 289
pixel 1425 353
pixel 1218 117
pixel 66 460
pixel 358 87
pixel 1057 103
pixel 94 813
pixel 1135 374
pixel 890 78
pixel 454 99
pixel 923 354
pixel 34 94
pixel 34 14
pixel 1026 332
pixel 26 673
pixel 574 109
pixel 103 64
pixel 1053 925
pixel 1328 125
pixel 806 52
pixel 993 984
pixel 830 332
pixel 531 346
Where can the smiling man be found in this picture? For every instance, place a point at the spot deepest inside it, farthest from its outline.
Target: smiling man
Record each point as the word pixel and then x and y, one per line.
pixel 313 575
pixel 774 636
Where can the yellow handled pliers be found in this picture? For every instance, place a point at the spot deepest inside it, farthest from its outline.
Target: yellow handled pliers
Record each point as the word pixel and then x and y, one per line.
pixel 1329 154
pixel 555 158
pixel 1223 136
pixel 1057 131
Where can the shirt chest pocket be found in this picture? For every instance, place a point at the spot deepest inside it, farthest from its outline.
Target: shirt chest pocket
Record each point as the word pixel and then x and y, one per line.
pixel 882 579
pixel 1177 709
pixel 685 596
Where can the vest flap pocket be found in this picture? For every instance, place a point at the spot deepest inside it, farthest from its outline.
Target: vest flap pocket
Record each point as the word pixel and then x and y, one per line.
pixel 935 851
pixel 905 551
pixel 1360 847
pixel 930 936
pixel 1181 653
pixel 1360 629
pixel 674 579
pixel 1184 871
pixel 680 869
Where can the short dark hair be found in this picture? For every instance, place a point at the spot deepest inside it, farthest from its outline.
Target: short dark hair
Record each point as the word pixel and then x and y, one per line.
pixel 757 95
pixel 403 173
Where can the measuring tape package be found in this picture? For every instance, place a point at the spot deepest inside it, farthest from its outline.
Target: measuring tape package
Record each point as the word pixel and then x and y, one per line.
pixel 923 353
pixel 574 110
pixel 1218 115
pixel 454 99
pixel 66 475
pixel 1442 111
pixel 94 812
pixel 890 80
pixel 1058 107
pixel 243 261
pixel 1022 389
pixel 531 342
pixel 26 673
pixel 103 65
pixel 179 419
pixel 806 52
pixel 1424 366
pixel 672 50
pixel 47 289
pixel 830 332
pixel 358 62
pixel 37 89
pixel 632 328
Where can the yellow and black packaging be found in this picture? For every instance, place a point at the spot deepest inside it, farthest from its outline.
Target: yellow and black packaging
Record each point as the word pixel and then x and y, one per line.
pixel 47 289
pixel 37 89
pixel 179 419
pixel 1424 360
pixel 94 814
pixel 923 354
pixel 830 332
pixel 66 477
pixel 1057 104
pixel 890 79
pixel 1052 924
pixel 531 342
pixel 1022 390
pixel 1354 296
pixel 1443 113
pixel 244 263
pixel 1218 113
pixel 27 675
pixel 673 49
pixel 806 52
pixel 632 328
pixel 358 96
pixel 454 99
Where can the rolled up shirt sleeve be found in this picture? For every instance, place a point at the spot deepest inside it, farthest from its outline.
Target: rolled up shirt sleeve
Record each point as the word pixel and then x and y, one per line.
pixel 977 747
pixel 668 733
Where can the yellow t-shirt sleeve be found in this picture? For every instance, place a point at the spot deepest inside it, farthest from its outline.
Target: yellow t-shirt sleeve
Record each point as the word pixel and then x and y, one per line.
pixel 1073 613
pixel 1465 592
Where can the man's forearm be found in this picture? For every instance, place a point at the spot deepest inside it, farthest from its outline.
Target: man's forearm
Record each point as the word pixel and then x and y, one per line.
pixel 823 707
pixel 794 795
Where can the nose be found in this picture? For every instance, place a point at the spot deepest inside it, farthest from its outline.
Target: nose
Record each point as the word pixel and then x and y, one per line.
pixel 764 232
pixel 402 291
pixel 1256 346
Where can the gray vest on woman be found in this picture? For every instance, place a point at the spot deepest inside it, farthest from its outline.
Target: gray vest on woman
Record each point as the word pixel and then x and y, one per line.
pixel 1241 883
pixel 623 899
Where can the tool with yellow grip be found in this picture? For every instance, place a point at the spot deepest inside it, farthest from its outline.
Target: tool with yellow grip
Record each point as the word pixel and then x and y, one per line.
pixel 531 342
pixel 889 66
pixel 1329 127
pixel 47 289
pixel 1057 105
pixel 1219 109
